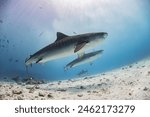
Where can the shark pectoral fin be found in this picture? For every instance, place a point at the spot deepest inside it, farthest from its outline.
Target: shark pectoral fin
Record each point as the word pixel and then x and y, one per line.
pixel 38 60
pixel 60 36
pixel 79 46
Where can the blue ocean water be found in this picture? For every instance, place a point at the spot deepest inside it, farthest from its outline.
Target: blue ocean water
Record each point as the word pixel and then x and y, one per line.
pixel 29 25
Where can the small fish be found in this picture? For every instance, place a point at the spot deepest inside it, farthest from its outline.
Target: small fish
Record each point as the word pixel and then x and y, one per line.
pixel 4 36
pixel 7 41
pixel 41 34
pixel 16 60
pixel 83 72
pixel 41 7
pixel 10 59
pixel 1 21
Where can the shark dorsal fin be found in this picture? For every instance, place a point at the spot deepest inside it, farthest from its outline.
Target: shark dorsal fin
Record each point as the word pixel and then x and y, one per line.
pixel 60 36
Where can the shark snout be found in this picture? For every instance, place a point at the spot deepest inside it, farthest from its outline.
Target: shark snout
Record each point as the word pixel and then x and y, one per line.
pixel 28 62
pixel 105 35
pixel 101 35
pixel 99 52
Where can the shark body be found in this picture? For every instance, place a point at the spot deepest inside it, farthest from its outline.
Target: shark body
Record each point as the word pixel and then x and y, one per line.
pixel 66 46
pixel 86 58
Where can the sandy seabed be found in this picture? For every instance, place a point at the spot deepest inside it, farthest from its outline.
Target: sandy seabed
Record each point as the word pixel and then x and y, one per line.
pixel 127 83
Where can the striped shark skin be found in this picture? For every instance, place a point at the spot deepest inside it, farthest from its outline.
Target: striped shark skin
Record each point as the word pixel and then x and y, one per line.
pixel 66 46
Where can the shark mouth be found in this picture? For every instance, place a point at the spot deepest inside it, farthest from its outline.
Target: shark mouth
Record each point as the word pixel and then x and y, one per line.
pixel 38 61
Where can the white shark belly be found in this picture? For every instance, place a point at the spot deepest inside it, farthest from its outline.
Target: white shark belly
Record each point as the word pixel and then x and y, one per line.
pixel 91 45
pixel 87 60
pixel 67 51
pixel 58 53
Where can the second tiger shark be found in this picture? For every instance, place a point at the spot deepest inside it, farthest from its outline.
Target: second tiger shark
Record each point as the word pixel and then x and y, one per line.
pixel 66 46
pixel 86 58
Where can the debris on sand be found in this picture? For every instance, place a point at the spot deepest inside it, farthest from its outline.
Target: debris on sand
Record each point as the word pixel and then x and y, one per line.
pixel 85 78
pixel 62 90
pixel 148 73
pixel 2 96
pixel 37 87
pixel 59 82
pixel 95 92
pixel 81 87
pixel 32 81
pixel 41 94
pixel 103 74
pixel 28 87
pixel 36 96
pixel 17 79
pixel 19 98
pixel 27 81
pixel 17 91
pixel 130 94
pixel 130 66
pixel 32 89
pixel 130 83
pixel 80 95
pixel 145 89
pixel 49 95
pixel 102 84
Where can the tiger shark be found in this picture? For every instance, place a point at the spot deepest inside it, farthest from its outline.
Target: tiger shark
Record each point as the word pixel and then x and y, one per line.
pixel 66 46
pixel 86 58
